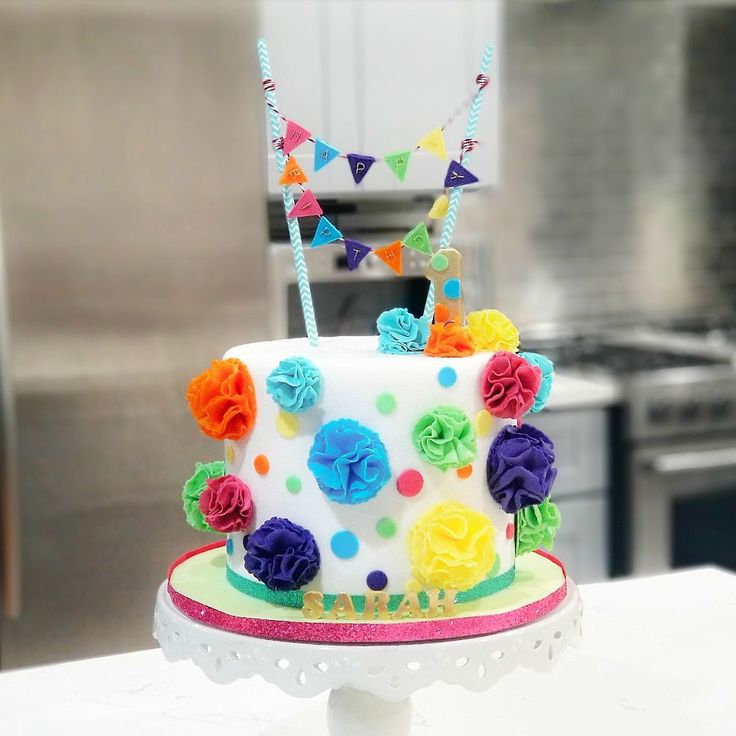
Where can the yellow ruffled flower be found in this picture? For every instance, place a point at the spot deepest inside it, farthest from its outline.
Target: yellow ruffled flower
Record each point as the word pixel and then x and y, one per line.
pixel 451 546
pixel 493 330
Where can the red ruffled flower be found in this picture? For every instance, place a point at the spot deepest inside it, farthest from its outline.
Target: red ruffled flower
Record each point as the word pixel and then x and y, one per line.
pixel 449 340
pixel 509 384
pixel 227 504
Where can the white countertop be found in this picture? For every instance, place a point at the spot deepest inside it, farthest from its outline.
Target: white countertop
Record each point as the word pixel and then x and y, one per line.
pixel 573 391
pixel 657 657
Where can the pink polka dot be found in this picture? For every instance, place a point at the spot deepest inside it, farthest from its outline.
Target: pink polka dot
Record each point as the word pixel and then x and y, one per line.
pixel 409 483
pixel 510 531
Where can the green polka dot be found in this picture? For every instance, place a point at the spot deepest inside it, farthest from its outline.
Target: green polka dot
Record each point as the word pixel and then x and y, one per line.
pixel 439 262
pixel 386 528
pixel 293 484
pixel 386 403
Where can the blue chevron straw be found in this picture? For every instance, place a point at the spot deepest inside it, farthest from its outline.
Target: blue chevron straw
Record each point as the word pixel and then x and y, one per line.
pixel 448 228
pixel 302 277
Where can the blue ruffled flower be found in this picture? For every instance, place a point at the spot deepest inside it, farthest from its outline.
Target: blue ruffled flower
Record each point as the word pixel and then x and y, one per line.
pixel 399 331
pixel 349 462
pixel 548 373
pixel 295 384
pixel 282 554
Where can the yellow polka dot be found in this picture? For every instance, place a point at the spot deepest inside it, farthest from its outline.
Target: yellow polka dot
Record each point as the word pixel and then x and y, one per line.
pixel 483 423
pixel 230 453
pixel 413 586
pixel 287 425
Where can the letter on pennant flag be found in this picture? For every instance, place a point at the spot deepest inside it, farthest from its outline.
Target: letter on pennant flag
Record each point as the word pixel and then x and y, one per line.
pixel 458 176
pixel 323 154
pixel 391 256
pixel 398 163
pixel 355 253
pixel 418 239
pixel 359 165
pixel 295 136
pixel 293 173
pixel 307 206
pixel 325 233
pixel 434 143
pixel 439 208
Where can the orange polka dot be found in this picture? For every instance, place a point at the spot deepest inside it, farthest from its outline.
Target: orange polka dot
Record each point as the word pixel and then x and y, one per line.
pixel 261 464
pixel 441 313
pixel 465 472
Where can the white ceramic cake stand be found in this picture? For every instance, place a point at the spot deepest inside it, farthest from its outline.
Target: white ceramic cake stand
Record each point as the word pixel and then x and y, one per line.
pixel 370 684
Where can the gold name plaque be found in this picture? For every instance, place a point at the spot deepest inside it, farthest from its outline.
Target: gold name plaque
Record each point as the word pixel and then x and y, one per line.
pixel 440 602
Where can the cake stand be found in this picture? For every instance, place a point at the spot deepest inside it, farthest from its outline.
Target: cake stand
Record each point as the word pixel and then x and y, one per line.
pixel 370 684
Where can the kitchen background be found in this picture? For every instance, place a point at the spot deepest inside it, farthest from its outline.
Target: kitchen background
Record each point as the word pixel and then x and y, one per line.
pixel 137 243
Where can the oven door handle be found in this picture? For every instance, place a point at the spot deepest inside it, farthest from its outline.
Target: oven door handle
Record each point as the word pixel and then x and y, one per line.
pixel 688 462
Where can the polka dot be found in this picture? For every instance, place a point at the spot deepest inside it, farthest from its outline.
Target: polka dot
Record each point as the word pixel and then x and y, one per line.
pixel 447 376
pixel 287 425
pixel 413 586
pixel 439 262
pixel 483 423
pixel 229 546
pixel 386 403
pixel 386 527
pixel 293 484
pixel 261 464
pixel 441 313
pixel 465 472
pixel 229 453
pixel 376 580
pixel 510 531
pixel 452 289
pixel 409 483
pixel 344 545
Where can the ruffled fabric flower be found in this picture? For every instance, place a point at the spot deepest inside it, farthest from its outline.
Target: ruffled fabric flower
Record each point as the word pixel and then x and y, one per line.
pixel 509 385
pixel 451 546
pixel 520 470
pixel 282 554
pixel 226 504
pixel 493 330
pixel 445 437
pixel 194 488
pixel 399 331
pixel 349 461
pixel 295 384
pixel 449 340
pixel 548 373
pixel 223 400
pixel 536 526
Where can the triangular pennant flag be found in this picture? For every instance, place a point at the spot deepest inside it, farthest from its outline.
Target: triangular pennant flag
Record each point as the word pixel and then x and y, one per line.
pixel 355 253
pixel 359 165
pixel 434 143
pixel 391 256
pixel 418 239
pixel 307 206
pixel 293 173
pixel 323 154
pixel 295 136
pixel 439 208
pixel 398 163
pixel 458 176
pixel 325 233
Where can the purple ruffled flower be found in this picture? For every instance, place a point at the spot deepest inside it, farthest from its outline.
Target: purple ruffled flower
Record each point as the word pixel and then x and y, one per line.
pixel 282 554
pixel 520 469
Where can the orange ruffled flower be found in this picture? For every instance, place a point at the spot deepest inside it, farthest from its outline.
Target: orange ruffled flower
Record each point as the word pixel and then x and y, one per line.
pixel 223 400
pixel 448 340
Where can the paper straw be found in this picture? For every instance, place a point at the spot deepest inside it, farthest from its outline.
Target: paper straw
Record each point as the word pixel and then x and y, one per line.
pixel 302 277
pixel 448 226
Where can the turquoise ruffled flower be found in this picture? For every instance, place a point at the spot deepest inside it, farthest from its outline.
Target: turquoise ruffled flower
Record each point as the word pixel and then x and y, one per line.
pixel 295 384
pixel 548 372
pixel 399 332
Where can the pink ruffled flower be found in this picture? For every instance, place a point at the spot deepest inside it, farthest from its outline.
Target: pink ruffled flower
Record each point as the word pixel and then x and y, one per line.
pixel 227 504
pixel 509 384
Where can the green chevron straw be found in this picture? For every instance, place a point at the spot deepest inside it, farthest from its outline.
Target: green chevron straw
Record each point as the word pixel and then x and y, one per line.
pixel 300 265
pixel 448 228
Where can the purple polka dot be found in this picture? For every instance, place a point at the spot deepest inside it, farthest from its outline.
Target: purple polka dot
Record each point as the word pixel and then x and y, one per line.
pixel 376 580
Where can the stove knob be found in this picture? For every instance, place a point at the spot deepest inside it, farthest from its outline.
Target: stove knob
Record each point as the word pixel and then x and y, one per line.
pixel 719 410
pixel 689 411
pixel 659 413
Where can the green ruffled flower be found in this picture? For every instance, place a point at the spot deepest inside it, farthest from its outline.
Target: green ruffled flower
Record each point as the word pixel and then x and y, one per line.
pixel 536 526
pixel 445 437
pixel 193 490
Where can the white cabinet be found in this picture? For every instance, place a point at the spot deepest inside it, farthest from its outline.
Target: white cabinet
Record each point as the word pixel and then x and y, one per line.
pixel 374 77
pixel 582 539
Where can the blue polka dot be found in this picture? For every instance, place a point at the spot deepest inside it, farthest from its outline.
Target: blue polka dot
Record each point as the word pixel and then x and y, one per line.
pixel 229 546
pixel 447 376
pixel 452 288
pixel 344 545
pixel 376 580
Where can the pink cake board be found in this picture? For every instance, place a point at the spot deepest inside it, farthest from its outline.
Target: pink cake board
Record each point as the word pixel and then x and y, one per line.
pixel 269 621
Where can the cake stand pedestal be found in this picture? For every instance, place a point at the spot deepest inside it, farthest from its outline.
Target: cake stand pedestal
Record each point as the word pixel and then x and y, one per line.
pixel 370 684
